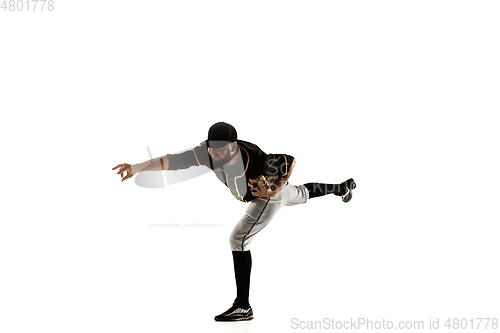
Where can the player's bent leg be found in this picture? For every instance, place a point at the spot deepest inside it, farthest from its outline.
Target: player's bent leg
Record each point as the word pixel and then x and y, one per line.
pixel 257 216
pixel 241 309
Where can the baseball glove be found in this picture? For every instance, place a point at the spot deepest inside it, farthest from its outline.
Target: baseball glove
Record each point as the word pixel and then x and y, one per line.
pixel 259 186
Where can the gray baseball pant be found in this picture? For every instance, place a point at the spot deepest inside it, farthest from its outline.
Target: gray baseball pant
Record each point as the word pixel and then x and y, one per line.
pixel 261 211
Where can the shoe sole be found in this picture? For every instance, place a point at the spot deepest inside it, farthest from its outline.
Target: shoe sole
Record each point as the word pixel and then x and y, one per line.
pixel 237 319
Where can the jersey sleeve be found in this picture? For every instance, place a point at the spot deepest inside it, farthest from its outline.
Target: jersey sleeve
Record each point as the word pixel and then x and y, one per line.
pixel 196 156
pixel 278 164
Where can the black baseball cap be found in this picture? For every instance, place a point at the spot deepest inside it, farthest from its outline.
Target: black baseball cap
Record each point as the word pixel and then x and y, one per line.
pixel 220 134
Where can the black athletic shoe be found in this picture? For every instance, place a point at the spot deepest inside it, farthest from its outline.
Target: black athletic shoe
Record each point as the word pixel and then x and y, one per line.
pixel 350 185
pixel 236 313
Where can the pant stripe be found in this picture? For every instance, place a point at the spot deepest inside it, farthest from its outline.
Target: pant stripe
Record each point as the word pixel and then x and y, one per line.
pixel 243 241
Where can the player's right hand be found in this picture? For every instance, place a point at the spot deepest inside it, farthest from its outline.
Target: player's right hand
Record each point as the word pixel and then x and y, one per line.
pixel 125 167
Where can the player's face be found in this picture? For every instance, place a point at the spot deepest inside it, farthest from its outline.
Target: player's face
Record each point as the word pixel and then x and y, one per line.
pixel 221 155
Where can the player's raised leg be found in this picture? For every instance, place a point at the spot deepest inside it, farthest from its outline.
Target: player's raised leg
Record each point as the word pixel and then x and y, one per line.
pixel 343 189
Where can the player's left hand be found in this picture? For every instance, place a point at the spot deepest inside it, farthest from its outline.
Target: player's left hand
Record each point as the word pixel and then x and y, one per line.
pixel 125 167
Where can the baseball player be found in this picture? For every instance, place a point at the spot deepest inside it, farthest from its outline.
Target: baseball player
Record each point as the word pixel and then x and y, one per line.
pixel 252 176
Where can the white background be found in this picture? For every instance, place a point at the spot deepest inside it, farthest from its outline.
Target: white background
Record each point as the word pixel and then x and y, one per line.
pixel 402 96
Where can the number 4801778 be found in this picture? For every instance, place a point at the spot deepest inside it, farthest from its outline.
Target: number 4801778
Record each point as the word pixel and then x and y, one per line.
pixel 27 5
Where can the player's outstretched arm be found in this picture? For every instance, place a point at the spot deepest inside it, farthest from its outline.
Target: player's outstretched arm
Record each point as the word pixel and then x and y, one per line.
pixel 156 164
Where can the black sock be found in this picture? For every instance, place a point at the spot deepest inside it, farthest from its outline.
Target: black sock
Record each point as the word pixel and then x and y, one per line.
pixel 242 266
pixel 320 189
